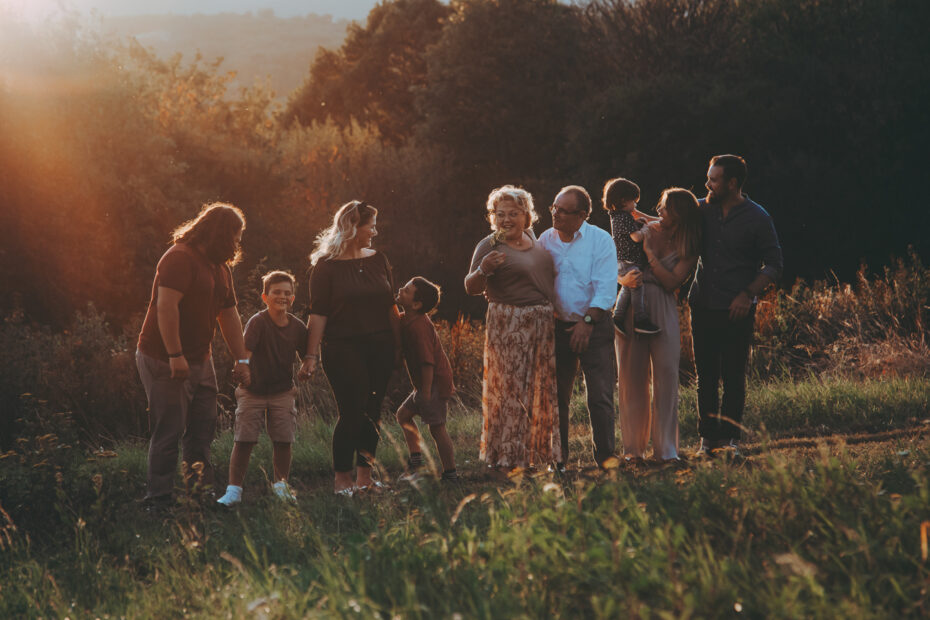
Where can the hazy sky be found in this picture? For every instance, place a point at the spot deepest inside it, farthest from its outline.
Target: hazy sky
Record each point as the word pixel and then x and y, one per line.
pixel 348 9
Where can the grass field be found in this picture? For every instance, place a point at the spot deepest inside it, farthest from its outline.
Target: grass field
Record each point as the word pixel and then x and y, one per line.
pixel 823 518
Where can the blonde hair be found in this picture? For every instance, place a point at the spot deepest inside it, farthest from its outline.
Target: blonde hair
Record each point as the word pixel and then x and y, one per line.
pixel 331 243
pixel 522 198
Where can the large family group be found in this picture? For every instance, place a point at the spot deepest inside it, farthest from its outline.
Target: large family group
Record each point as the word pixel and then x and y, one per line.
pixel 553 305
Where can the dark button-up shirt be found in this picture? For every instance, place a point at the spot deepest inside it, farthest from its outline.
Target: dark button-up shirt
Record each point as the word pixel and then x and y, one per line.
pixel 734 251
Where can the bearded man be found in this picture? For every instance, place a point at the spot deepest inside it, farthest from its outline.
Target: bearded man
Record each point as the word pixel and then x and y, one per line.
pixel 740 258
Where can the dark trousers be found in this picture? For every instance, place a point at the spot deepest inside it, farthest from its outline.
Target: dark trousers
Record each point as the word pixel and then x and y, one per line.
pixel 721 351
pixel 599 366
pixel 358 370
pixel 179 411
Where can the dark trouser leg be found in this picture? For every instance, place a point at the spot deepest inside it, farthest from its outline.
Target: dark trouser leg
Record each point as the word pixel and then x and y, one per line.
pixel 347 373
pixel 380 362
pixel 734 358
pixel 566 367
pixel 201 425
pixel 168 404
pixel 358 370
pixel 599 365
pixel 638 302
pixel 707 336
pixel 623 303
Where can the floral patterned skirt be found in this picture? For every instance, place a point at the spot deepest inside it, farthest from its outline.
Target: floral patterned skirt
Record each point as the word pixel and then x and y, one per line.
pixel 521 414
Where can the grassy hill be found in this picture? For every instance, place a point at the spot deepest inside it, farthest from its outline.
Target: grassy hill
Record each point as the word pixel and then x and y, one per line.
pixel 258 46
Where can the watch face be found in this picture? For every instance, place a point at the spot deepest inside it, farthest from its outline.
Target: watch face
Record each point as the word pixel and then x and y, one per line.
pixel 588 319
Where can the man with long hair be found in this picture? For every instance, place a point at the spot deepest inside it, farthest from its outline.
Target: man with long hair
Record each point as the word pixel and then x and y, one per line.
pixel 740 258
pixel 193 289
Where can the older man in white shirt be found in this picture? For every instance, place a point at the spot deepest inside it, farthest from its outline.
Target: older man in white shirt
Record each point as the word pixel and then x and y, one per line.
pixel 585 288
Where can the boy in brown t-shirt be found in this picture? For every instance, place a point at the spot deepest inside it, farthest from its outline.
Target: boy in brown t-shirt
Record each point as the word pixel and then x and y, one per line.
pixel 430 373
pixel 272 337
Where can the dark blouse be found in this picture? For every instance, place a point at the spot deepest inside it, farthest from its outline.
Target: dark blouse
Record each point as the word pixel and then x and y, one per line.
pixel 354 295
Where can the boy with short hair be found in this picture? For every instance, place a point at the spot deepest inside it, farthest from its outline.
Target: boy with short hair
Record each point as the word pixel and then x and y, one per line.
pixel 272 337
pixel 430 373
pixel 620 199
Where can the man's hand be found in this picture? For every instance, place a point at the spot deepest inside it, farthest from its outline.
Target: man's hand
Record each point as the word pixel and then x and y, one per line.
pixel 307 368
pixel 581 334
pixel 241 374
pixel 740 306
pixel 180 370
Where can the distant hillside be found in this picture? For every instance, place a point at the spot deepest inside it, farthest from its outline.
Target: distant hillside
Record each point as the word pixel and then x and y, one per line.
pixel 258 46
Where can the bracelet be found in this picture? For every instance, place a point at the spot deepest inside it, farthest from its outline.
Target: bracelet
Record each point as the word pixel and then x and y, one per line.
pixel 481 271
pixel 243 361
pixel 173 355
pixel 311 355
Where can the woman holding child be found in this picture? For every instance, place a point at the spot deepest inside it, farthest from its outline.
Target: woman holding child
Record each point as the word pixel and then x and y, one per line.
pixel 519 393
pixel 672 244
pixel 354 332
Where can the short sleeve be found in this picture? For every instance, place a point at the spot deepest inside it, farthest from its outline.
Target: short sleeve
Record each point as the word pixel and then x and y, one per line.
pixel 175 271
pixel 321 289
pixel 423 337
pixel 230 300
pixel 388 271
pixel 253 332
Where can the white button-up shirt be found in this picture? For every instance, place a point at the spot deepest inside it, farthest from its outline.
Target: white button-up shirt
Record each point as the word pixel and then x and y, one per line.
pixel 585 270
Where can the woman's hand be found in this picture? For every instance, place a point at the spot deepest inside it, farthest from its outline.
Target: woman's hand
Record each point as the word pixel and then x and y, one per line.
pixel 492 261
pixel 632 278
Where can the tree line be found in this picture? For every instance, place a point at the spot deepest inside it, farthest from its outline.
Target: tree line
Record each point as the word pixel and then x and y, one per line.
pixel 426 106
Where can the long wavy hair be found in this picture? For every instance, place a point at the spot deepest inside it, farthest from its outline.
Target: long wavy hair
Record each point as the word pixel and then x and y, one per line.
pixel 520 197
pixel 215 229
pixel 332 242
pixel 687 234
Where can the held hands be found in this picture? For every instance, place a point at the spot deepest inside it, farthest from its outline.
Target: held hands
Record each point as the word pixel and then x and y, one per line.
pixel 492 261
pixel 242 374
pixel 180 370
pixel 740 306
pixel 307 368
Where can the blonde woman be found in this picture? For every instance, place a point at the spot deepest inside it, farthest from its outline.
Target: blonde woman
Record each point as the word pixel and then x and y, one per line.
pixel 519 393
pixel 354 332
pixel 672 243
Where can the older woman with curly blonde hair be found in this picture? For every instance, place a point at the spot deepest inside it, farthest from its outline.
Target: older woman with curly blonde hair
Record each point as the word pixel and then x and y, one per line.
pixel 519 393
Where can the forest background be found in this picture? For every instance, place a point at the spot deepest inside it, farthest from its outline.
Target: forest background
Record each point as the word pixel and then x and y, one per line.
pixel 421 110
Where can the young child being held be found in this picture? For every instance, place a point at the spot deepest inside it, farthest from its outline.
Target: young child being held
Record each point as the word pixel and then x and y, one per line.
pixel 430 374
pixel 620 199
pixel 272 337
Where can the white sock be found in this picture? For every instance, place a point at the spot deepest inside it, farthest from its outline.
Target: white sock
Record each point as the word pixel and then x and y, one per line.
pixel 233 496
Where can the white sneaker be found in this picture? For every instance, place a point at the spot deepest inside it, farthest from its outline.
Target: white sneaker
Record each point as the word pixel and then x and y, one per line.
pixel 283 491
pixel 232 497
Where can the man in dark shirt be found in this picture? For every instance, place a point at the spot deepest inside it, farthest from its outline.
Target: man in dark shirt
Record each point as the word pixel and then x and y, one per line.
pixel 740 258
pixel 193 289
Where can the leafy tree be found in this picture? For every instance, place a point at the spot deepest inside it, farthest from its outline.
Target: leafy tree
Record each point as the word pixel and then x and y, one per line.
pixel 372 79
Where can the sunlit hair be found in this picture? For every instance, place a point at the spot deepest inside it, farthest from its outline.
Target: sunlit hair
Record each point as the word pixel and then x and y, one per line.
pixel 582 197
pixel 683 205
pixel 216 230
pixel 427 293
pixel 617 191
pixel 520 197
pixel 332 242
pixel 276 277
pixel 734 167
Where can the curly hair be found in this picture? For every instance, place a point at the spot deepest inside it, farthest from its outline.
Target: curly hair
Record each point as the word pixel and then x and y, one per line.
pixel 216 229
pixel 333 240
pixel 520 197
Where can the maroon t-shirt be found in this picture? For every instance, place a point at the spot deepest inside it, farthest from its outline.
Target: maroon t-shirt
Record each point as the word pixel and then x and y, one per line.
pixel 421 346
pixel 207 289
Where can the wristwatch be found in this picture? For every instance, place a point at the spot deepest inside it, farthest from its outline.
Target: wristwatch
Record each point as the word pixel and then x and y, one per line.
pixel 588 319
pixel 243 361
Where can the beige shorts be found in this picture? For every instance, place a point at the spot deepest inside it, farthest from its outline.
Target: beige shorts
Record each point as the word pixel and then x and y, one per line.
pixel 251 415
